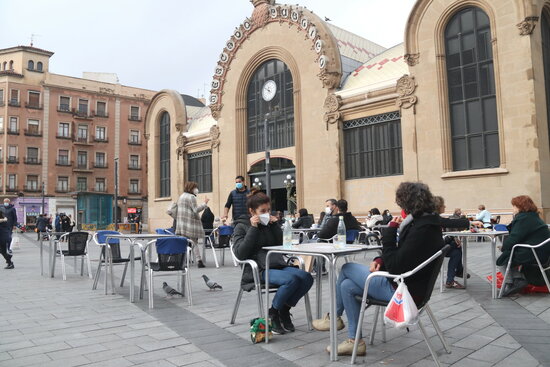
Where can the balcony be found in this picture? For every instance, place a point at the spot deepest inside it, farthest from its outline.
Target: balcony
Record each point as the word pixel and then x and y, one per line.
pixel 14 103
pixel 64 136
pixel 64 108
pixel 33 132
pixel 101 139
pixel 62 189
pixel 81 188
pixel 81 114
pixel 63 162
pixel 101 165
pixel 33 160
pixel 81 140
pixel 134 192
pixel 11 188
pixel 12 160
pixel 12 131
pixel 100 189
pixel 83 168
pixel 134 118
pixel 134 142
pixel 34 106
pixel 100 114
pixel 32 187
pixel 2 104
pixel 134 167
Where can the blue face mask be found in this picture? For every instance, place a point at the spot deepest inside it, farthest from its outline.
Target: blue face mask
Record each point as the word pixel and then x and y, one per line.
pixel 239 185
pixel 6 204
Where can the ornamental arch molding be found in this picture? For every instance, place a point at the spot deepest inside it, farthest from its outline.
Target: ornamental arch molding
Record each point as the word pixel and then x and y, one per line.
pixel 154 111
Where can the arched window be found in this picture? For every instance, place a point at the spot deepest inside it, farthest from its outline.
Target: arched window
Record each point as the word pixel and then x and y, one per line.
pixel 545 29
pixel 5 64
pixel 30 65
pixel 472 97
pixel 39 66
pixel 164 144
pixel 281 119
pixel 11 64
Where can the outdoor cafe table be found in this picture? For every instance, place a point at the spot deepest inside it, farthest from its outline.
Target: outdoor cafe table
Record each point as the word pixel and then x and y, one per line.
pixel 328 252
pixel 133 241
pixel 494 237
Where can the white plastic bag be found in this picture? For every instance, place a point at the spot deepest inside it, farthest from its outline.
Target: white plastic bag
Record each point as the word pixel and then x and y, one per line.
pixel 14 242
pixel 401 311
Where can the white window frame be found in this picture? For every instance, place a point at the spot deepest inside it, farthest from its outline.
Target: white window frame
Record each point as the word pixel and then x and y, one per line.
pixel 59 103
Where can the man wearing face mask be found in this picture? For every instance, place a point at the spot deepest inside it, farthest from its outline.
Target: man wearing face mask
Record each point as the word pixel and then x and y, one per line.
pixel 188 220
pixel 11 215
pixel 330 211
pixel 253 232
pixel 237 199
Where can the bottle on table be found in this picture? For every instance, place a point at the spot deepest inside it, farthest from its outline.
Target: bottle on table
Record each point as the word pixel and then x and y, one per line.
pixel 340 242
pixel 287 234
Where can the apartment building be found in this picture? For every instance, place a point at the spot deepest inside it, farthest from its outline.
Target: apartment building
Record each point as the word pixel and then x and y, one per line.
pixel 60 137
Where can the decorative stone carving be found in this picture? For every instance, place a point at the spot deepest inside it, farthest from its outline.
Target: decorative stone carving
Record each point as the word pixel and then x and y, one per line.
pixel 179 127
pixel 527 26
pixel 181 140
pixel 405 88
pixel 146 136
pixel 214 136
pixel 330 79
pixel 216 110
pixel 332 105
pixel 260 15
pixel 412 59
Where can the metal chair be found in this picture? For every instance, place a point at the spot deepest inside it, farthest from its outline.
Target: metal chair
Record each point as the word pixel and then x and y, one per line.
pixel 436 260
pixel 543 268
pixel 112 249
pixel 172 259
pixel 220 239
pixel 77 243
pixel 261 288
pixel 352 235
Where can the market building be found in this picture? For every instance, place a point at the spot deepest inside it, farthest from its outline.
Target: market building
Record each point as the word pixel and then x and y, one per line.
pixel 462 105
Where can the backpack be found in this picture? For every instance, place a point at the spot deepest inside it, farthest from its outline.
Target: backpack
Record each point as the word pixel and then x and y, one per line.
pixel 172 210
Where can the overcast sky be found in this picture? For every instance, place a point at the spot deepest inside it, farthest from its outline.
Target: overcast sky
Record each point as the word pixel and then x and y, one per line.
pixel 173 44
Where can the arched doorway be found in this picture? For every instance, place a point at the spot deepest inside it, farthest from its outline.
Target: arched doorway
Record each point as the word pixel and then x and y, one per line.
pixel 281 168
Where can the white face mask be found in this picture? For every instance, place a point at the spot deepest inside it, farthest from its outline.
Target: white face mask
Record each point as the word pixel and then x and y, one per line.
pixel 264 218
pixel 328 210
pixel 196 191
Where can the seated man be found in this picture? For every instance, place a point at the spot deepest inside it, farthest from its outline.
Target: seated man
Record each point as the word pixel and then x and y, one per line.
pixel 330 211
pixel 330 229
pixel 483 218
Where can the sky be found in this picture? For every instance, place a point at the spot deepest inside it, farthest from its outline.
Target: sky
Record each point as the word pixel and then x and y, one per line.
pixel 166 44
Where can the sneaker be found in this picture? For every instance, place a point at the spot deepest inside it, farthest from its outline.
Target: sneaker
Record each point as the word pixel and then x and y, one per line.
pixel 461 274
pixel 455 285
pixel 324 323
pixel 346 348
pixel 515 287
pixel 9 266
pixel 276 325
pixel 286 320
pixel 200 264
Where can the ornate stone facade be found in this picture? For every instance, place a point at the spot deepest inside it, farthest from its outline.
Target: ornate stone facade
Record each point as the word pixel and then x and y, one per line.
pixel 405 88
pixel 527 26
pixel 331 106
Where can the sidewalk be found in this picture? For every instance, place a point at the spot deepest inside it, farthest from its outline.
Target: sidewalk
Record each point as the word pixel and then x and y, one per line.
pixel 51 322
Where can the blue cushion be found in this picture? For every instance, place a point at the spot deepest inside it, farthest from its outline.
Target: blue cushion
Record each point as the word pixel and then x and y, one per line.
pixel 226 230
pixel 101 236
pixel 172 245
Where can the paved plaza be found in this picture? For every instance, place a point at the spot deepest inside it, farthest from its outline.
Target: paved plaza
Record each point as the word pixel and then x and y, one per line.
pixel 51 322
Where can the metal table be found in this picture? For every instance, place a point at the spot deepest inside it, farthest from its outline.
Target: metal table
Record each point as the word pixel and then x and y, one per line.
pixel 494 237
pixel 133 241
pixel 52 250
pixel 330 254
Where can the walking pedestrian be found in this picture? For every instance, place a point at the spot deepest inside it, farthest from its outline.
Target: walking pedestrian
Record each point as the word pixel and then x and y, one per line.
pixel 9 212
pixel 41 225
pixel 237 199
pixel 5 239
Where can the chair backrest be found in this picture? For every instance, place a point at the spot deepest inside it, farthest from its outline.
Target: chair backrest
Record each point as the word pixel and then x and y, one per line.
pixel 77 242
pixel 351 235
pixel 224 238
pixel 172 253
pixel 160 231
pixel 373 240
pixel 226 230
pixel 500 227
pixel 168 231
pixel 101 237
pixel 436 262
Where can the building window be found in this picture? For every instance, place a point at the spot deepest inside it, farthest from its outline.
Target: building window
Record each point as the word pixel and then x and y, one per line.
pixel 12 182
pixel 13 127
pixel 82 133
pixel 39 66
pixel 101 109
pixel 30 65
pixel 81 184
pixel 1 125
pixel 5 65
pixel 33 128
pixel 134 137
pixel 63 130
pixel 63 157
pixel 134 113
pixel 472 96
pixel 373 146
pixel 32 183
pixel 281 122
pixel 11 65
pixel 14 97
pixel 32 156
pixel 82 160
pixel 164 143
pixel 100 184
pixel 134 186
pixel 63 184
pixel 83 107
pixel 200 169
pixel 64 104
pixel 1 97
pixel 12 154
pixel 34 99
pixel 134 162
pixel 100 160
pixel 100 133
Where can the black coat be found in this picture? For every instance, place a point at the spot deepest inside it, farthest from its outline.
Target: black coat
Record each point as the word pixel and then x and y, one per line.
pixel 303 222
pixel 418 241
pixel 42 224
pixel 207 219
pixel 249 242
pixel 330 228
pixel 5 231
pixel 66 224
pixel 10 213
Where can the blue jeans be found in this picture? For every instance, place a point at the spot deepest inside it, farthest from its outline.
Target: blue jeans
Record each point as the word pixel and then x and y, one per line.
pixel 351 283
pixel 455 264
pixel 293 284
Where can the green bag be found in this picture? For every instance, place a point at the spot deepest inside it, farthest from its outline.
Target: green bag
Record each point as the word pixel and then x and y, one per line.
pixel 257 330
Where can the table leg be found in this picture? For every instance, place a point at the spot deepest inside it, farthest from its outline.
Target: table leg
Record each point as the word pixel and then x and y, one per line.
pixel 494 267
pixel 53 254
pixel 132 271
pixel 142 281
pixel 41 254
pixel 319 287
pixel 332 292
pixel 465 260
pixel 266 314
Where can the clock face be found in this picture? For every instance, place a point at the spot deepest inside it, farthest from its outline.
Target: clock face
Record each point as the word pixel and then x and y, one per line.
pixel 269 90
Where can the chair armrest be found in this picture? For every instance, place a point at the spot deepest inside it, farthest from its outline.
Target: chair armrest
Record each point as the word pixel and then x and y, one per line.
pixel 531 246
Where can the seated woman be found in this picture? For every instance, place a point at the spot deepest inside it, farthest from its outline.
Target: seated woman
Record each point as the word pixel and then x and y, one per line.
pixel 483 218
pixel 526 228
pixel 450 224
pixel 259 229
pixel 304 221
pixel 420 237
pixel 375 218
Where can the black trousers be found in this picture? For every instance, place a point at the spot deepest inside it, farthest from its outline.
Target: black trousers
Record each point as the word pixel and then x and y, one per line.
pixel 4 251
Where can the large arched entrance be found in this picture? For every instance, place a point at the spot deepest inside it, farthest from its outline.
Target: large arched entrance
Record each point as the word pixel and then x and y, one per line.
pixel 281 168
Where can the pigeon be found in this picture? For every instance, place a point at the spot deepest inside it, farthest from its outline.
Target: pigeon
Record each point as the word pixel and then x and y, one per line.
pixel 211 284
pixel 327 19
pixel 169 290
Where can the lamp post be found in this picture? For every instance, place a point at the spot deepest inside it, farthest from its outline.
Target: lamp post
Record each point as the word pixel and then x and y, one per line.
pixel 116 195
pixel 257 183
pixel 290 200
pixel 43 199
pixel 267 157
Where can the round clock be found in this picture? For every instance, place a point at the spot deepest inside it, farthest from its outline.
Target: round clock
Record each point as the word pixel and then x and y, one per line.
pixel 269 90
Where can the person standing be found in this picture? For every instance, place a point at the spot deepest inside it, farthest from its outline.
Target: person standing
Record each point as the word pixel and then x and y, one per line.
pixel 237 199
pixel 11 216
pixel 41 225
pixel 5 239
pixel 65 223
pixel 188 220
